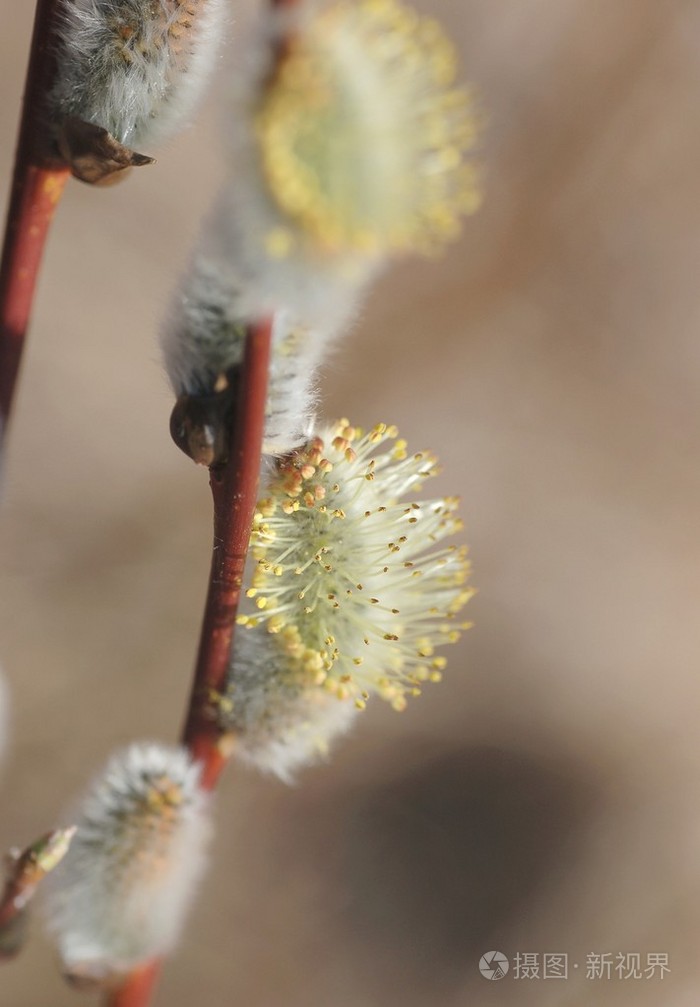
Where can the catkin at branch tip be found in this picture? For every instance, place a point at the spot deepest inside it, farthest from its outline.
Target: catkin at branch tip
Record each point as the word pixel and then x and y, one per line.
pixel 135 67
pixel 122 892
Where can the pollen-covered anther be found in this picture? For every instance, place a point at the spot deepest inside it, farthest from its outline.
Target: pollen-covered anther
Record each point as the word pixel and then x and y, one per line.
pixel 353 590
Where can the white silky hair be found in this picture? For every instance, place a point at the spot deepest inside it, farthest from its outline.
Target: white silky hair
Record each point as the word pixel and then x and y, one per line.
pixel 279 724
pixel 321 287
pixel 222 292
pixel 251 263
pixel 135 67
pixel 121 894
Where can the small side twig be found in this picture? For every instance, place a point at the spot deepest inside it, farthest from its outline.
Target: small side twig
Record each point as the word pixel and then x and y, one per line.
pixel 38 181
pixel 26 870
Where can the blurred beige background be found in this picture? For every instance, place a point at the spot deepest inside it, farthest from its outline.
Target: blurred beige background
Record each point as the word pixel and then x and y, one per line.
pixel 544 798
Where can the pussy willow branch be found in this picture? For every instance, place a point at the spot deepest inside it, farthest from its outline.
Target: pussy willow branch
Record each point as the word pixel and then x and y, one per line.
pixel 37 186
pixel 234 491
pixel 234 487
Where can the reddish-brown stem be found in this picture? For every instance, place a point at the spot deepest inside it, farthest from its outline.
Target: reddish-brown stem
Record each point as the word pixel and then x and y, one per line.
pixel 234 489
pixel 35 197
pixel 283 45
pixel 37 185
pixel 138 990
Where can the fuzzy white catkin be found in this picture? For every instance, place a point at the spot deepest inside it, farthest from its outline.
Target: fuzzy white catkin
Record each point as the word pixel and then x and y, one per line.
pixel 122 892
pixel 135 67
pixel 280 725
pixel 204 335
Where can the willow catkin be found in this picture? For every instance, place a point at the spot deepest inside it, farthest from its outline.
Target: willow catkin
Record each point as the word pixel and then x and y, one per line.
pixel 122 892
pixel 135 67
pixel 353 593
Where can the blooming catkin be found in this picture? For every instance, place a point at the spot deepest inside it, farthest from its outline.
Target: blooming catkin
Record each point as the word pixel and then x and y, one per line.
pixel 355 145
pixel 134 67
pixel 354 592
pixel 122 892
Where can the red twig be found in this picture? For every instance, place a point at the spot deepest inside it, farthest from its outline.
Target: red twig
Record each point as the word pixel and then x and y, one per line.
pixel 37 185
pixel 138 990
pixel 234 488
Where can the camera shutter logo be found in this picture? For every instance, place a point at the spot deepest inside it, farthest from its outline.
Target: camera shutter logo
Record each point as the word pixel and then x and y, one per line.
pixel 494 965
